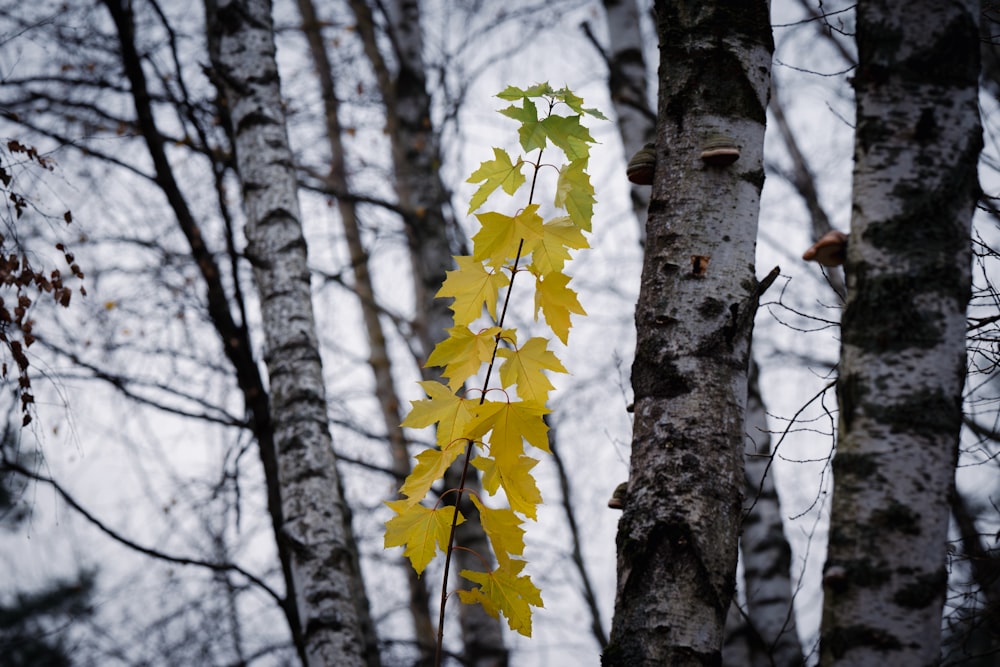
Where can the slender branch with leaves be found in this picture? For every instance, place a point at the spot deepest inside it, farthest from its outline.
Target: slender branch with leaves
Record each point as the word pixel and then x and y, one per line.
pixel 490 424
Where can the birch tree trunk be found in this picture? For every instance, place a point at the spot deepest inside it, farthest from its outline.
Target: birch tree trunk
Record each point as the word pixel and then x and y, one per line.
pixel 902 363
pixel 325 565
pixel 677 539
pixel 423 202
pixel 378 359
pixel 767 556
pixel 629 92
pixel 416 160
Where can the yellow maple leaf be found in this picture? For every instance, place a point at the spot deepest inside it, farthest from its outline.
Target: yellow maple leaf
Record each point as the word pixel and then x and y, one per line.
pixel 502 236
pixel 513 475
pixel 559 235
pixel 456 417
pixel 515 421
pixel 472 286
pixel 499 172
pixel 503 528
pixel 556 301
pixel 525 367
pixel 463 352
pixel 507 591
pixel 431 466
pixel 420 529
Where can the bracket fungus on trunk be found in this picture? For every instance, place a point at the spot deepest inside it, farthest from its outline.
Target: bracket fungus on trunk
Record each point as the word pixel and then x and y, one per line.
pixel 719 150
pixel 829 250
pixel 642 165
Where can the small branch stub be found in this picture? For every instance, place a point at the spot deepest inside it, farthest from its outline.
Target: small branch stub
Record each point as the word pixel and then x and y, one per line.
pixel 719 150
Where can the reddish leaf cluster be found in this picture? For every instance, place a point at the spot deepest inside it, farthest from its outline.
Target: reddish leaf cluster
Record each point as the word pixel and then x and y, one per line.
pixel 20 281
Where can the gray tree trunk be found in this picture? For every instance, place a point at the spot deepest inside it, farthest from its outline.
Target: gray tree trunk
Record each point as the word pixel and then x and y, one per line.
pixel 767 557
pixel 329 592
pixel 902 363
pixel 629 91
pixel 677 539
pixel 378 359
pixel 766 554
pixel 431 235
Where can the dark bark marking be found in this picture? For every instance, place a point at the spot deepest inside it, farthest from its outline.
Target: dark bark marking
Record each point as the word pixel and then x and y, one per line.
pixel 842 639
pixel 254 119
pixel 927 127
pixel 895 517
pixel 711 307
pixel 882 316
pixel 712 61
pixel 925 590
pixel 850 465
pixel 862 573
pixel 930 411
pixel 654 375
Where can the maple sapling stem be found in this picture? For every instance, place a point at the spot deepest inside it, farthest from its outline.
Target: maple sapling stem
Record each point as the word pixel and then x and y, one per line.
pixel 468 449
pixel 503 315
pixel 447 553
pixel 486 564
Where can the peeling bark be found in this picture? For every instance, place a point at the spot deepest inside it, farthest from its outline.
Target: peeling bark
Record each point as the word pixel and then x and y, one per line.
pixel 902 364
pixel 325 565
pixel 677 539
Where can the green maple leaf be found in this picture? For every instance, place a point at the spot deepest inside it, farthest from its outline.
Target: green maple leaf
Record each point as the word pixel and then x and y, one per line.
pixel 575 193
pixel 570 135
pixel 507 591
pixel 420 529
pixel 500 172
pixel 473 287
pixel 502 236
pixel 556 301
pixel 512 93
pixel 576 103
pixel 525 367
pixel 532 131
pixel 559 236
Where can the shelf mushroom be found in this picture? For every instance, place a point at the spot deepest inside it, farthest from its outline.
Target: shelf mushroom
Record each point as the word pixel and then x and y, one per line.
pixel 829 250
pixel 641 166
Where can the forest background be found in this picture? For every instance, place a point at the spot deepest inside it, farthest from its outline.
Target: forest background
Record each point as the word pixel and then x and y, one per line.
pixel 138 475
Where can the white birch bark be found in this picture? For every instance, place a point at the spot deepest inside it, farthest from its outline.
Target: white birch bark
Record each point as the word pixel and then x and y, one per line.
pixel 330 599
pixel 902 363
pixel 677 539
